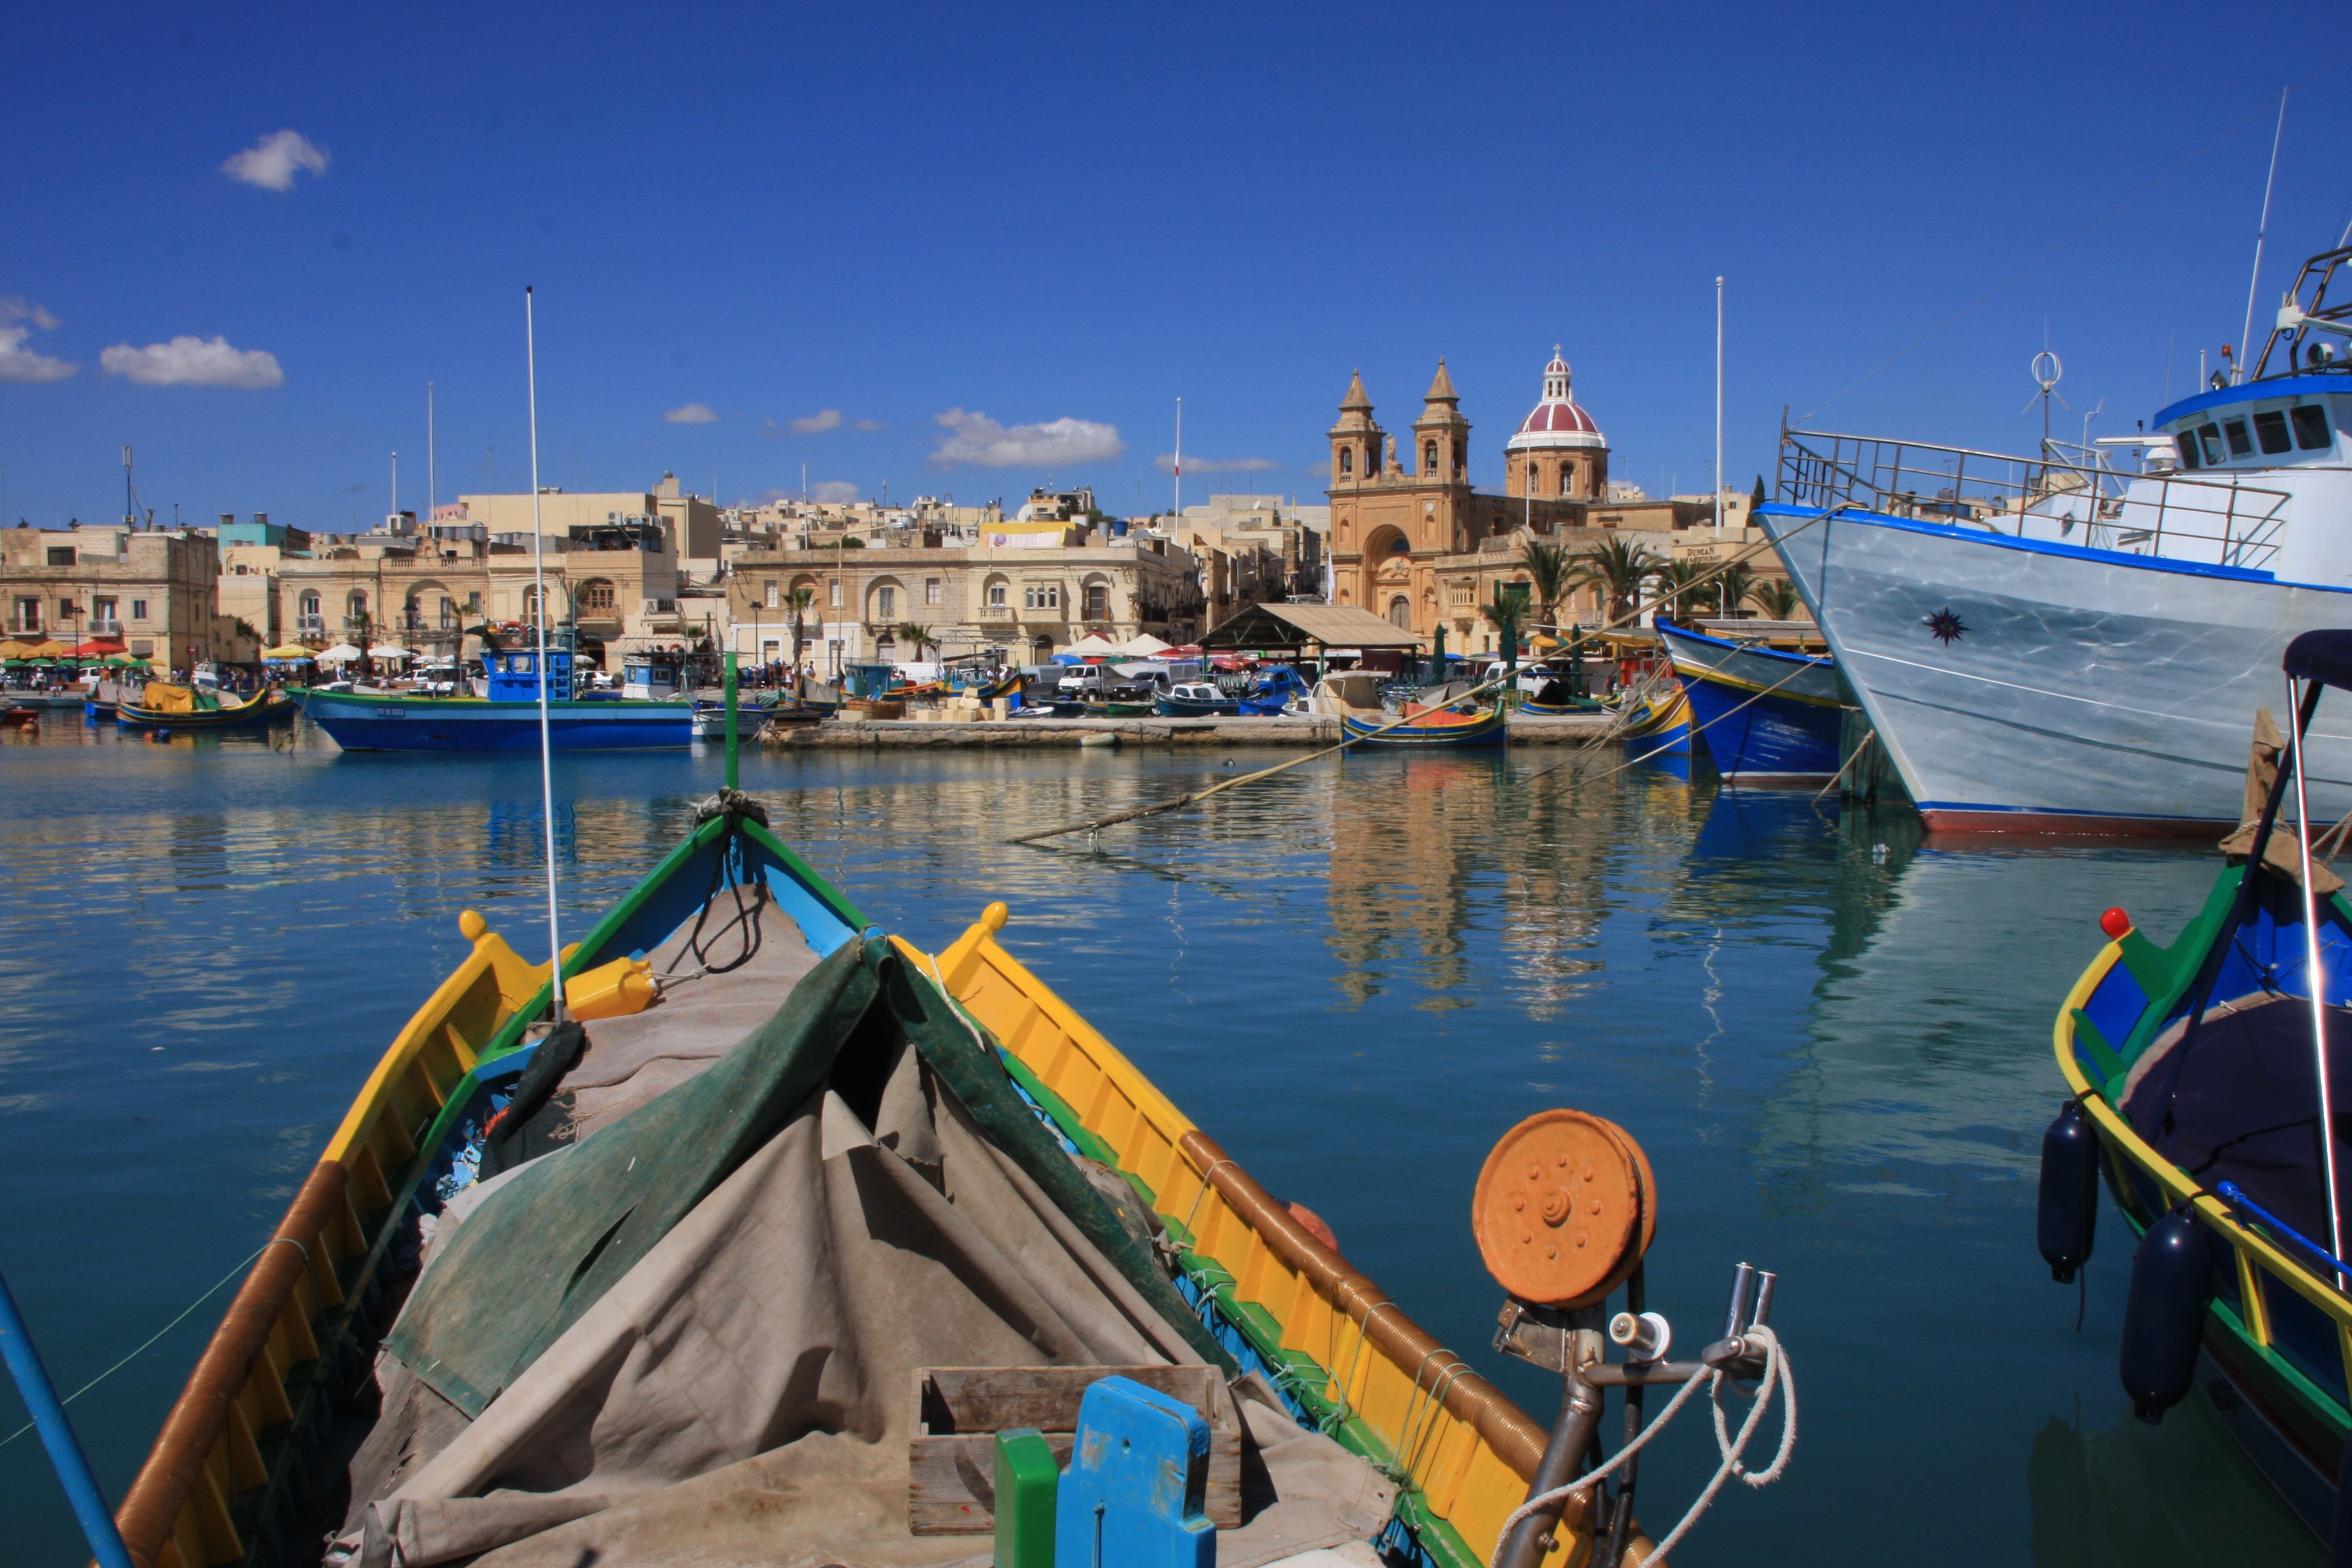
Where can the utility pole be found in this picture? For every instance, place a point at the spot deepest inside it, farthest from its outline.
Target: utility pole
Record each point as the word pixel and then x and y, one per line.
pixel 1718 408
pixel 395 488
pixel 1179 459
pixel 130 506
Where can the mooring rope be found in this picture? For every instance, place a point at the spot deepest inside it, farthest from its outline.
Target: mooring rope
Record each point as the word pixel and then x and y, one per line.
pixel 1777 1375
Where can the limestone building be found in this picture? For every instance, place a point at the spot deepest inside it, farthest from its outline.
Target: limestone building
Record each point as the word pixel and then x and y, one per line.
pixel 150 589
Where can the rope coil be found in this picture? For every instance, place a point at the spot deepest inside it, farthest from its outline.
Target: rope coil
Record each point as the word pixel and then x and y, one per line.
pixel 1777 1374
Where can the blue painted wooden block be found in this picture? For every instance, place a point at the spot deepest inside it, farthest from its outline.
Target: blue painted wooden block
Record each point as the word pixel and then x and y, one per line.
pixel 1132 1495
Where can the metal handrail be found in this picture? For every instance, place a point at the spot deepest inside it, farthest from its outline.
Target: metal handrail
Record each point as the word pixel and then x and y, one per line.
pixel 2066 485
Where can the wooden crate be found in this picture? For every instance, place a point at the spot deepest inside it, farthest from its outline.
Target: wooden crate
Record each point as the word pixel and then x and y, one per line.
pixel 951 1459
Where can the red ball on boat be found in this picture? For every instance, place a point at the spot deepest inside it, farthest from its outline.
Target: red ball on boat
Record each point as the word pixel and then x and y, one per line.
pixel 2114 922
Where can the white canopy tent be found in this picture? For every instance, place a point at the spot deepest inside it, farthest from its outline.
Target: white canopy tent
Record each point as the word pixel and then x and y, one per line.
pixel 389 650
pixel 1092 646
pixel 1143 645
pixel 341 653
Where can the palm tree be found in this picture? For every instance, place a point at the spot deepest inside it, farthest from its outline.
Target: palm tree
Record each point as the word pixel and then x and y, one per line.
pixel 919 637
pixel 1676 581
pixel 1505 614
pixel 1732 586
pixel 1550 575
pixel 1777 597
pixel 799 602
pixel 1621 566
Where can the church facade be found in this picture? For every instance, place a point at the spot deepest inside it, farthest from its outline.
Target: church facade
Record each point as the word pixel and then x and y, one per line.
pixel 1414 543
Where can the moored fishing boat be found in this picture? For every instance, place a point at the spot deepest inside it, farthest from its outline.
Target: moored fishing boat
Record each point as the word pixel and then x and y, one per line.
pixel 1423 728
pixel 1766 716
pixel 162 705
pixel 2053 642
pixel 2201 1077
pixel 506 719
pixel 1196 699
pixel 1663 729
pixel 708 1315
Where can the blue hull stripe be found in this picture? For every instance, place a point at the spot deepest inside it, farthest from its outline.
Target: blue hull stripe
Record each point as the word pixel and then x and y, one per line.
pixel 1767 736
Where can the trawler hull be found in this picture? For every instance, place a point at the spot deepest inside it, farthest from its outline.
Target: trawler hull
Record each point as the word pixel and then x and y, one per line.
pixel 364 723
pixel 2023 685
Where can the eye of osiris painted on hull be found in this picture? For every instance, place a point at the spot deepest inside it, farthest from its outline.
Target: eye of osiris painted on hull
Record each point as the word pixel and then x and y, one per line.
pixel 1945 627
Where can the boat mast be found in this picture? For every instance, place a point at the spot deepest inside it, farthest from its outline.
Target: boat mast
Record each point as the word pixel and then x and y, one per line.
pixel 1718 409
pixel 2314 978
pixel 538 620
pixel 2238 371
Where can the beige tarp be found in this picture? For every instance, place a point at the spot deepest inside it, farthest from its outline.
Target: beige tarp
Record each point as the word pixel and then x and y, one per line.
pixel 744 1394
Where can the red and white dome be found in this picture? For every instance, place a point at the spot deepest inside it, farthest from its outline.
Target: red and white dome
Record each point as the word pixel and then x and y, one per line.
pixel 1557 421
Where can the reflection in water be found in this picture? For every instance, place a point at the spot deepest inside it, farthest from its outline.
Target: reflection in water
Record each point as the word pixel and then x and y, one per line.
pixel 1834 1042
pixel 2129 1494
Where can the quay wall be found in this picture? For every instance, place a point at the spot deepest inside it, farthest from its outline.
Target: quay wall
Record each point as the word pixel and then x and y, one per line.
pixel 1300 733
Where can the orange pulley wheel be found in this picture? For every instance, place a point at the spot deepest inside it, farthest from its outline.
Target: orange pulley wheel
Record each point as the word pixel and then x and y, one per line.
pixel 1565 1207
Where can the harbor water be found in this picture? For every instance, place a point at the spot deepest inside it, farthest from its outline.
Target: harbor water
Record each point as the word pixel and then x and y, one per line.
pixel 1833 1041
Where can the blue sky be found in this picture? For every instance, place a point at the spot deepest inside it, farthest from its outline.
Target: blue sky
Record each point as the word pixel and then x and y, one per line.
pixel 1067 218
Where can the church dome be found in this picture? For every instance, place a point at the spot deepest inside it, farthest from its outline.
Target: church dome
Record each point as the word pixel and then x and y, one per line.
pixel 1557 421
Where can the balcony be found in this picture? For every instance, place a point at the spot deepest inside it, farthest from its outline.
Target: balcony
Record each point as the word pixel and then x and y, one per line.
pixel 309 625
pixel 104 627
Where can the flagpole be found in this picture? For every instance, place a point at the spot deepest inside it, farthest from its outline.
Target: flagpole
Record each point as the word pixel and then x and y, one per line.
pixel 1180 459
pixel 539 617
pixel 1718 408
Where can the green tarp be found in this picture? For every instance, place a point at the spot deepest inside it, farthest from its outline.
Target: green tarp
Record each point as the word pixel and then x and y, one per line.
pixel 563 1229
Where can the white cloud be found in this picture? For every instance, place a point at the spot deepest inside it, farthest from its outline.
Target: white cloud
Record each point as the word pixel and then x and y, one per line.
pixel 188 360
pixel 692 413
pixel 18 362
pixel 272 161
pixel 816 424
pixel 973 437
pixel 836 492
pixel 1166 463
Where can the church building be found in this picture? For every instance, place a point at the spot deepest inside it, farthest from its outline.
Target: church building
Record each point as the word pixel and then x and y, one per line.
pixel 1416 543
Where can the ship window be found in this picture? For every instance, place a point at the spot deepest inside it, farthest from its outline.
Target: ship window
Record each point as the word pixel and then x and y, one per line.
pixel 2187 441
pixel 2310 426
pixel 2211 438
pixel 2270 430
pixel 2240 443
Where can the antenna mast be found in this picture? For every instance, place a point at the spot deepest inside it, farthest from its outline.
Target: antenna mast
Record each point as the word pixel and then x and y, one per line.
pixel 2238 370
pixel 539 618
pixel 1179 457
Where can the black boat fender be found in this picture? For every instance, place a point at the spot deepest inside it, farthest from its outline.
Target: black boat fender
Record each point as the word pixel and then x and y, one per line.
pixel 2164 1315
pixel 2068 1216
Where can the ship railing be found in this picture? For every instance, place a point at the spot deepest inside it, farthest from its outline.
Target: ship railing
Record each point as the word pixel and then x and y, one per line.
pixel 2071 493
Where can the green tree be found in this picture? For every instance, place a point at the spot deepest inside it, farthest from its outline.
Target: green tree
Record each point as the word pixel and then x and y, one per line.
pixel 1620 566
pixel 1757 498
pixel 1776 599
pixel 1506 612
pixel 1550 575
pixel 1677 583
pixel 918 638
pixel 799 602
pixel 1732 586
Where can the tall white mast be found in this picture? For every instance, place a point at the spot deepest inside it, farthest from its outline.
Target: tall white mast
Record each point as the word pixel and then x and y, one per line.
pixel 539 617
pixel 432 474
pixel 1179 457
pixel 1719 407
pixel 2262 228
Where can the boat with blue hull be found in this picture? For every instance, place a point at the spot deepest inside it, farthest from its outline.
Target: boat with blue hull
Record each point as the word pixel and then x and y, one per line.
pixel 1765 716
pixel 1665 728
pixel 506 720
pixel 2072 641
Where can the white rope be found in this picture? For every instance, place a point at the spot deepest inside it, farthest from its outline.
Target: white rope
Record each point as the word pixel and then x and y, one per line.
pixel 1777 1374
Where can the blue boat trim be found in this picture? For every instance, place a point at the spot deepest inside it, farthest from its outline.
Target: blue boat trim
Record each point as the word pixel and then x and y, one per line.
pixel 2051 547
pixel 2251 392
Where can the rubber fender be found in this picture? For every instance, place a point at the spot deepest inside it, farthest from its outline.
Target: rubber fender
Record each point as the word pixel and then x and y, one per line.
pixel 2164 1316
pixel 2068 1216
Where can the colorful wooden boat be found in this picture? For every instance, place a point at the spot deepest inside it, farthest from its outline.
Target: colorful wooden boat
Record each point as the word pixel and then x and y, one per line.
pixel 2195 1090
pixel 249 1448
pixel 1665 728
pixel 162 705
pixel 97 711
pixel 1430 727
pixel 1765 716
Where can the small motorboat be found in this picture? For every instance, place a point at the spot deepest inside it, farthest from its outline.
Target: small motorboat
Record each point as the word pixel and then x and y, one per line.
pixel 98 712
pixel 710 719
pixel 20 719
pixel 1197 700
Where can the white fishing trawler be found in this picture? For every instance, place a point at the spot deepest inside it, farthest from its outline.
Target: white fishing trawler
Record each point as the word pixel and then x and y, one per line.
pixel 2078 641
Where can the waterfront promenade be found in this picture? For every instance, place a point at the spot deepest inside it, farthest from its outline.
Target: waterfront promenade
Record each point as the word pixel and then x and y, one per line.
pixel 1303 731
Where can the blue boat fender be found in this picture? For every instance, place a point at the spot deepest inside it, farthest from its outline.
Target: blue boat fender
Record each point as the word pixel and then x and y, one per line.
pixel 2069 1211
pixel 2164 1316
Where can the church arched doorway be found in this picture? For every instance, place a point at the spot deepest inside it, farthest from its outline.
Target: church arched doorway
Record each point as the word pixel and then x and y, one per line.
pixel 1401 613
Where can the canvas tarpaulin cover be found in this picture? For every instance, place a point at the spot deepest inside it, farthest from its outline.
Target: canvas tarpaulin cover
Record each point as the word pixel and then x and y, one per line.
pixel 730 1377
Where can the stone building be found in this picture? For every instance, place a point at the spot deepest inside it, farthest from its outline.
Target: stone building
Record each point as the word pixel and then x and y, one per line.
pixel 1029 599
pixel 1423 548
pixel 151 589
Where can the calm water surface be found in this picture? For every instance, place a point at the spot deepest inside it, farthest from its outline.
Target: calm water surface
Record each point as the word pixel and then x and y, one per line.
pixel 1834 1042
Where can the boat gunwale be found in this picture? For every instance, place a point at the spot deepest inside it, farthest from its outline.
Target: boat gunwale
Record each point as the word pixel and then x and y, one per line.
pixel 2256 1258
pixel 178 1508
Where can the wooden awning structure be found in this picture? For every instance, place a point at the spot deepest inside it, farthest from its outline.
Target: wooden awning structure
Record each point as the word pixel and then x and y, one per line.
pixel 1306 625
